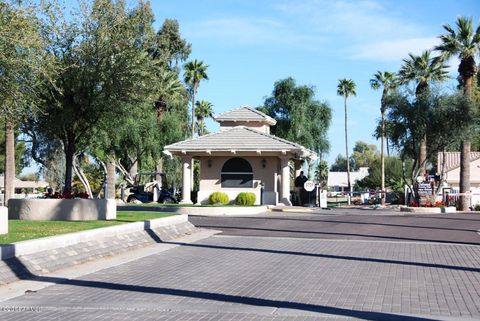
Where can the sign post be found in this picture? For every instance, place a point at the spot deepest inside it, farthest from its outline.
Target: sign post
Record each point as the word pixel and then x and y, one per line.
pixel 309 187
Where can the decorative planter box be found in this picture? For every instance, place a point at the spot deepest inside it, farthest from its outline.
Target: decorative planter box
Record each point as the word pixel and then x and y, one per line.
pixel 428 210
pixel 62 209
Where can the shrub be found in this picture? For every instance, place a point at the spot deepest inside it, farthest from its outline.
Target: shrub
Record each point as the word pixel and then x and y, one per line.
pixel 219 198
pixel 245 198
pixel 477 207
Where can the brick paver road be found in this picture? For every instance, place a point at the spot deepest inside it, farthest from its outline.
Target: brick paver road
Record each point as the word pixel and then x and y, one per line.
pixel 272 278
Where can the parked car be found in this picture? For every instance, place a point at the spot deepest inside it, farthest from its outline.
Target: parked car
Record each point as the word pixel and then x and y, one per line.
pixel 151 187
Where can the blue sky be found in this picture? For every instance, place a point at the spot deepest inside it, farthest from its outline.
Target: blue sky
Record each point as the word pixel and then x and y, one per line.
pixel 250 44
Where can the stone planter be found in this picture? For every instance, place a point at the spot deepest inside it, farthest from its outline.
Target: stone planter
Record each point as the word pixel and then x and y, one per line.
pixel 3 220
pixel 62 209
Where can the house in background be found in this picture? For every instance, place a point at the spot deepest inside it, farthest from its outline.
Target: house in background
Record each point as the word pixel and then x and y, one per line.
pixel 451 172
pixel 338 182
pixel 241 157
pixel 21 187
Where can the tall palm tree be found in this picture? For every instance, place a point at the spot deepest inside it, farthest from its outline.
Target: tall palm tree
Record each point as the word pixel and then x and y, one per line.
pixel 203 109
pixel 465 44
pixel 195 72
pixel 423 70
pixel 170 89
pixel 387 80
pixel 346 88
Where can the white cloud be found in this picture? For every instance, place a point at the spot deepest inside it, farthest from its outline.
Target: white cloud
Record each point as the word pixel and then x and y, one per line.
pixel 392 50
pixel 355 20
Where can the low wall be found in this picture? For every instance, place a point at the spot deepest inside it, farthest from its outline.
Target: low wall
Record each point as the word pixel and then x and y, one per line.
pixel 3 220
pixel 62 209
pixel 428 210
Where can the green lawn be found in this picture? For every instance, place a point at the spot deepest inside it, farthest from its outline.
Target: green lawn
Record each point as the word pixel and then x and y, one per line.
pixel 20 230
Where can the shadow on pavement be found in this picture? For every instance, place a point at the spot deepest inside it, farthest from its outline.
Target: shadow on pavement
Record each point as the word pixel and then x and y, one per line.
pixel 366 236
pixel 219 297
pixel 315 219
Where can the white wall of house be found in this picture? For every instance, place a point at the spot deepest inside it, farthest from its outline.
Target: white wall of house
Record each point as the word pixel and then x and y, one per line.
pixel 261 127
pixel 452 177
pixel 210 180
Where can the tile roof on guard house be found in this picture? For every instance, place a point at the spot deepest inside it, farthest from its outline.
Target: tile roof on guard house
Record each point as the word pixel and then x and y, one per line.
pixel 241 157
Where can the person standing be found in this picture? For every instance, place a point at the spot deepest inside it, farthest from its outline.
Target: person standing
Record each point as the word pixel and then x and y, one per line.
pixel 299 181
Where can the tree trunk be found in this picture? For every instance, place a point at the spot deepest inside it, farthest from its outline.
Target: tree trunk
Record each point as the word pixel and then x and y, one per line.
pixel 9 160
pixel 111 179
pixel 422 155
pixel 346 148
pixel 193 109
pixel 69 149
pixel 382 160
pixel 465 158
pixel 465 175
pixel 133 170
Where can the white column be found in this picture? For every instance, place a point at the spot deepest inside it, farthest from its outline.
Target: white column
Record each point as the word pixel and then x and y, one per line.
pixel 285 192
pixel 186 189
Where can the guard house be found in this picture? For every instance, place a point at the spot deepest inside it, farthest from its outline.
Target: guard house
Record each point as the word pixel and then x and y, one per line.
pixel 241 157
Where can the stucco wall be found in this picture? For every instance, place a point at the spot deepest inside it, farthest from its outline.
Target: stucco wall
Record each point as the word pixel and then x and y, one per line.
pixel 62 209
pixel 453 176
pixel 210 177
pixel 254 125
pixel 3 220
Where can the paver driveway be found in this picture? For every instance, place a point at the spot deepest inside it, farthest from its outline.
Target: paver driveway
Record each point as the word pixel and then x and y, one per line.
pixel 235 277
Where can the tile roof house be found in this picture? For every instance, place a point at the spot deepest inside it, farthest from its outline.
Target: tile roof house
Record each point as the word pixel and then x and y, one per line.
pixel 241 156
pixel 452 168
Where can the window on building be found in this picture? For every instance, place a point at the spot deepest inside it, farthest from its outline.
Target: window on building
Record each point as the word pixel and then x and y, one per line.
pixel 237 173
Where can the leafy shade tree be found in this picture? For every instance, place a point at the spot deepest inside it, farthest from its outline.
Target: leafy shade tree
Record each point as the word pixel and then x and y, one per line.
pixel 105 69
pixel 23 64
pixel 442 110
pixel 423 70
pixel 169 46
pixel 203 109
pixel 394 175
pixel 346 88
pixel 340 164
pixel 364 155
pixel 300 117
pixel 387 81
pixel 169 91
pixel 464 42
pixel 194 72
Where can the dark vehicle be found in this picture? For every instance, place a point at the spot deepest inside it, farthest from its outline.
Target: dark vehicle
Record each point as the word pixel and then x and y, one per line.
pixel 151 187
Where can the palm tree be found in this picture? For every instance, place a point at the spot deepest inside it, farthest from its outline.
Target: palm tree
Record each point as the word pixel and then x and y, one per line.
pixel 195 71
pixel 346 88
pixel 465 44
pixel 203 109
pixel 388 81
pixel 422 70
pixel 170 90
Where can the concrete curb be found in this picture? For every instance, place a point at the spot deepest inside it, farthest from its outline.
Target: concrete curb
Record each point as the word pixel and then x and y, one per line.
pixel 52 242
pixel 197 210
pixel 292 209
pixel 428 210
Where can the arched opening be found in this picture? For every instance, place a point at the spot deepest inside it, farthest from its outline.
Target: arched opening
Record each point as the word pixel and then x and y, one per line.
pixel 237 173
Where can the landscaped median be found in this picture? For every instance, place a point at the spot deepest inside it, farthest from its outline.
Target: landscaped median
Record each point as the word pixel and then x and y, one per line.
pixel 21 230
pixel 46 254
